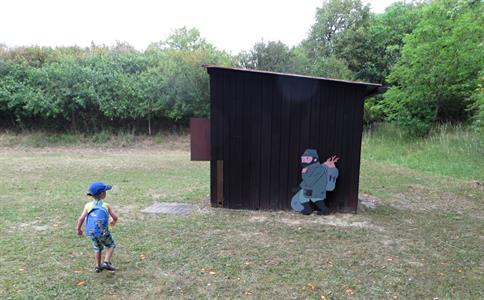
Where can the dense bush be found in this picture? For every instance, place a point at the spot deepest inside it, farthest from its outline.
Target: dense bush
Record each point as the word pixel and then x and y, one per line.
pixel 439 68
pixel 98 87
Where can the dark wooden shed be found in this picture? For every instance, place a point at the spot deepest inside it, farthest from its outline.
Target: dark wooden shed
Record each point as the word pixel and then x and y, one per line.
pixel 261 123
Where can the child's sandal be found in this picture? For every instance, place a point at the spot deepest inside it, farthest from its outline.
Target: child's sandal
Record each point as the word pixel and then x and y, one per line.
pixel 98 269
pixel 108 266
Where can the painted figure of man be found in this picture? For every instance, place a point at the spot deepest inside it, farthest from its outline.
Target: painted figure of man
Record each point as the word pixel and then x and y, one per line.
pixel 317 178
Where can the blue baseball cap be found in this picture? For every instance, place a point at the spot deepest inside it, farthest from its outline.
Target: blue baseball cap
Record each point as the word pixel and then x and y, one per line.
pixel 97 187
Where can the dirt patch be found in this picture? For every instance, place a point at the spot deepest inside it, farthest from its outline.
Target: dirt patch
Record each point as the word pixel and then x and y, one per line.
pixel 129 213
pixel 249 235
pixel 476 185
pixel 126 209
pixel 34 225
pixel 204 205
pixel 295 219
pixel 367 202
pixel 338 220
pixel 40 227
pixel 258 219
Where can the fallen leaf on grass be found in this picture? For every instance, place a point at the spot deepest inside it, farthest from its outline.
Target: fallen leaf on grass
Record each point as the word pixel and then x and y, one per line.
pixel 311 286
pixel 77 271
pixel 21 270
pixel 212 273
pixel 142 257
pixel 349 291
pixel 81 283
pixel 324 297
pixel 248 293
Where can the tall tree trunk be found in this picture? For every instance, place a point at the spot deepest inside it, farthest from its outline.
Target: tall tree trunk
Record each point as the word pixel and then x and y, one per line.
pixel 149 125
pixel 73 122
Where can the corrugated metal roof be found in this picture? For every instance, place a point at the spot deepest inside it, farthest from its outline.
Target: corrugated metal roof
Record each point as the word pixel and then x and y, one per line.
pixel 371 88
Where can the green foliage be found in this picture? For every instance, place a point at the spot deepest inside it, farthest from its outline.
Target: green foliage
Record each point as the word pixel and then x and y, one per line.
pixel 334 20
pixel 185 83
pixel 374 111
pixel 331 67
pixel 186 39
pixel 381 50
pixel 89 89
pixel 336 42
pixel 101 137
pixel 277 57
pixel 384 40
pixel 42 139
pixel 439 66
pixel 271 56
pixel 476 106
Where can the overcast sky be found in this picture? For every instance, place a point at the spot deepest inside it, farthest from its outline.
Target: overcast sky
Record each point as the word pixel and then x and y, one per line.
pixel 229 25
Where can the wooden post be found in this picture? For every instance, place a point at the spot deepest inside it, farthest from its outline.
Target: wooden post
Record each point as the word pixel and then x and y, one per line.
pixel 220 183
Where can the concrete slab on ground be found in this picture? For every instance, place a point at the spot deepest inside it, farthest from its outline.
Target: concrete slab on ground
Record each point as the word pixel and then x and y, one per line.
pixel 169 208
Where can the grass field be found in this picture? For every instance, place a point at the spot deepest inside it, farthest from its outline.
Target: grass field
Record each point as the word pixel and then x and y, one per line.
pixel 423 241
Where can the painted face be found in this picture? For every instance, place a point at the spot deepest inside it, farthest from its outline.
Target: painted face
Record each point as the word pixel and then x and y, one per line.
pixel 306 159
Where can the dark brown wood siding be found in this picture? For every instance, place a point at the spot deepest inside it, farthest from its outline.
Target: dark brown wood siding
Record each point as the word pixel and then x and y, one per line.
pixel 261 123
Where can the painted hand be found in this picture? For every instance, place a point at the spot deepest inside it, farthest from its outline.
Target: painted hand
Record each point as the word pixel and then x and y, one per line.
pixel 330 162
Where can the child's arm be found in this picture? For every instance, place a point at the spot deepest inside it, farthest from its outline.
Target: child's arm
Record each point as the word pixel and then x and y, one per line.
pixel 113 215
pixel 80 221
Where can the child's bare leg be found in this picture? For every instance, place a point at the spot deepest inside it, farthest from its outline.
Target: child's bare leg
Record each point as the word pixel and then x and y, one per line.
pixel 109 254
pixel 98 259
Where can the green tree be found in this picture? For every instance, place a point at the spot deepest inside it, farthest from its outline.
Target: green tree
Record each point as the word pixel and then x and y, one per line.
pixel 270 56
pixel 323 66
pixel 439 66
pixel 185 39
pixel 185 87
pixel 382 46
pixel 331 67
pixel 334 19
pixel 67 89
pixel 476 105
pixel 384 39
pixel 335 46
pixel 151 102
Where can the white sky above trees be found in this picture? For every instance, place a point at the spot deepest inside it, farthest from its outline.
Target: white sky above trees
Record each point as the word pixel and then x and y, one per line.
pixel 229 25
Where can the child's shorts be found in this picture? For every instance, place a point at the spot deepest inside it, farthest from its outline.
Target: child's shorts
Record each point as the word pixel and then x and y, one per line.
pixel 98 243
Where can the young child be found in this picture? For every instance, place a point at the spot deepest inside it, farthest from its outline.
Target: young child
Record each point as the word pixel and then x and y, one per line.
pixel 100 237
